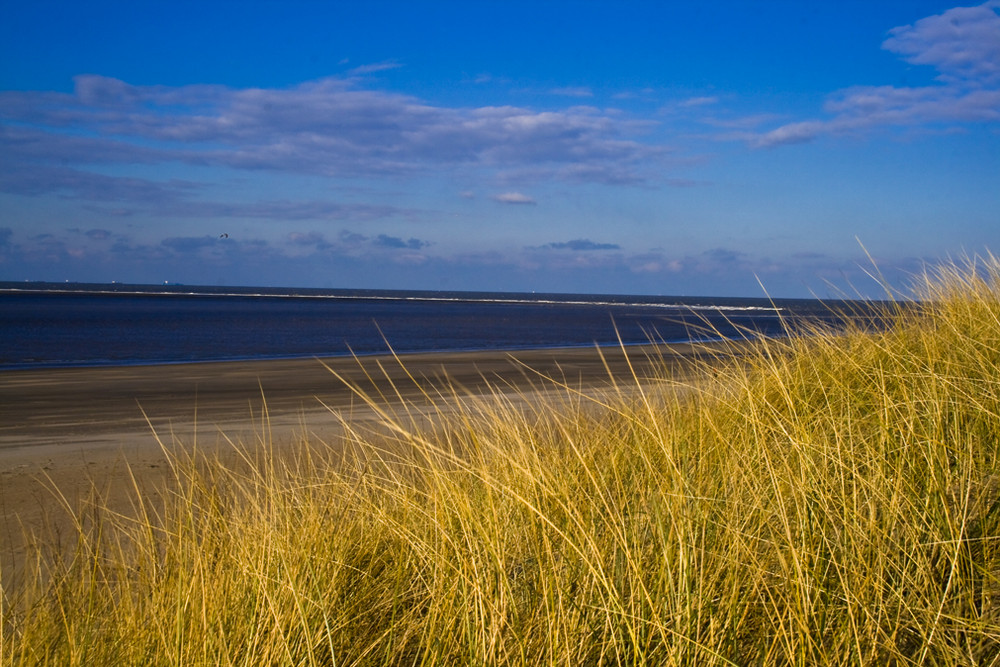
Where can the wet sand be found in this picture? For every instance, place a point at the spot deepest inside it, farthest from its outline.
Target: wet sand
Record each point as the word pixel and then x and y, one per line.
pixel 61 410
pixel 68 431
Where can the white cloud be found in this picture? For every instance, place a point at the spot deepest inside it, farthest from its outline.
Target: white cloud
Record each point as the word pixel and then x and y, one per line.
pixel 583 245
pixel 962 44
pixel 573 91
pixel 327 127
pixel 901 106
pixel 513 198
pixel 792 133
pixel 699 101
pixel 374 67
pixel 177 198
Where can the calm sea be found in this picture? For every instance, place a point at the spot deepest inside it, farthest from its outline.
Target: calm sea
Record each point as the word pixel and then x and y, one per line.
pixel 50 325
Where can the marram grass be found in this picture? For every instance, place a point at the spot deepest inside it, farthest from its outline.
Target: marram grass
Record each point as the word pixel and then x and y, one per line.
pixel 832 498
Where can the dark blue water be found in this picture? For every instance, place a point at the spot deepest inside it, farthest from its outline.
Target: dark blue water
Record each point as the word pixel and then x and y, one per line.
pixel 46 325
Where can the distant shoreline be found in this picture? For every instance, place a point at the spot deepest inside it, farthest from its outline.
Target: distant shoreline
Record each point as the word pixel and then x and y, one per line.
pixel 515 351
pixel 87 329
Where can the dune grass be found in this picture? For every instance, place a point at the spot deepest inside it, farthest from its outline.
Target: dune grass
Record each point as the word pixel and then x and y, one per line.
pixel 831 498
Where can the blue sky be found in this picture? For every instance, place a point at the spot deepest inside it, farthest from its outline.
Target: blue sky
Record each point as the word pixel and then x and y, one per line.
pixel 613 147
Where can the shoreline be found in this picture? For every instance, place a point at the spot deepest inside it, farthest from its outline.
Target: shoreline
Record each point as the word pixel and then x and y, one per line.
pixel 74 405
pixel 67 433
pixel 95 365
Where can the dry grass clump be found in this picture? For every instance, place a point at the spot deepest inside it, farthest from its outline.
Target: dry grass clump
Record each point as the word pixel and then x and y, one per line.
pixel 824 499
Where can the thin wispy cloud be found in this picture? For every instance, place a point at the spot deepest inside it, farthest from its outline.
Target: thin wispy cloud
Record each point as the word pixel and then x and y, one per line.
pixel 348 241
pixel 962 44
pixel 328 127
pixel 573 91
pixel 189 244
pixel 287 210
pixel 387 241
pixel 309 239
pixel 374 67
pixel 646 93
pixel 514 198
pixel 32 179
pixel 177 198
pixel 581 245
pixel 698 101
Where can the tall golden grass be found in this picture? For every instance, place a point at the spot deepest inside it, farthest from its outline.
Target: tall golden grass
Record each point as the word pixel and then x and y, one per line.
pixel 831 498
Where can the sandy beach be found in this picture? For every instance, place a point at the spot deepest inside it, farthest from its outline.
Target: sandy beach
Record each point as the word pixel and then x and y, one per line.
pixel 69 430
pixel 77 409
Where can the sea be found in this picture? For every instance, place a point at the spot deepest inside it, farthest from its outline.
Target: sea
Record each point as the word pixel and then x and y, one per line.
pixel 46 325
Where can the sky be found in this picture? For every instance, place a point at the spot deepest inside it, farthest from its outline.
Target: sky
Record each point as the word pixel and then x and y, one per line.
pixel 754 148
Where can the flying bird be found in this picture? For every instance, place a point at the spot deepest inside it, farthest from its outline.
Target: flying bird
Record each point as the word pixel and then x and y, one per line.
pixel 223 236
